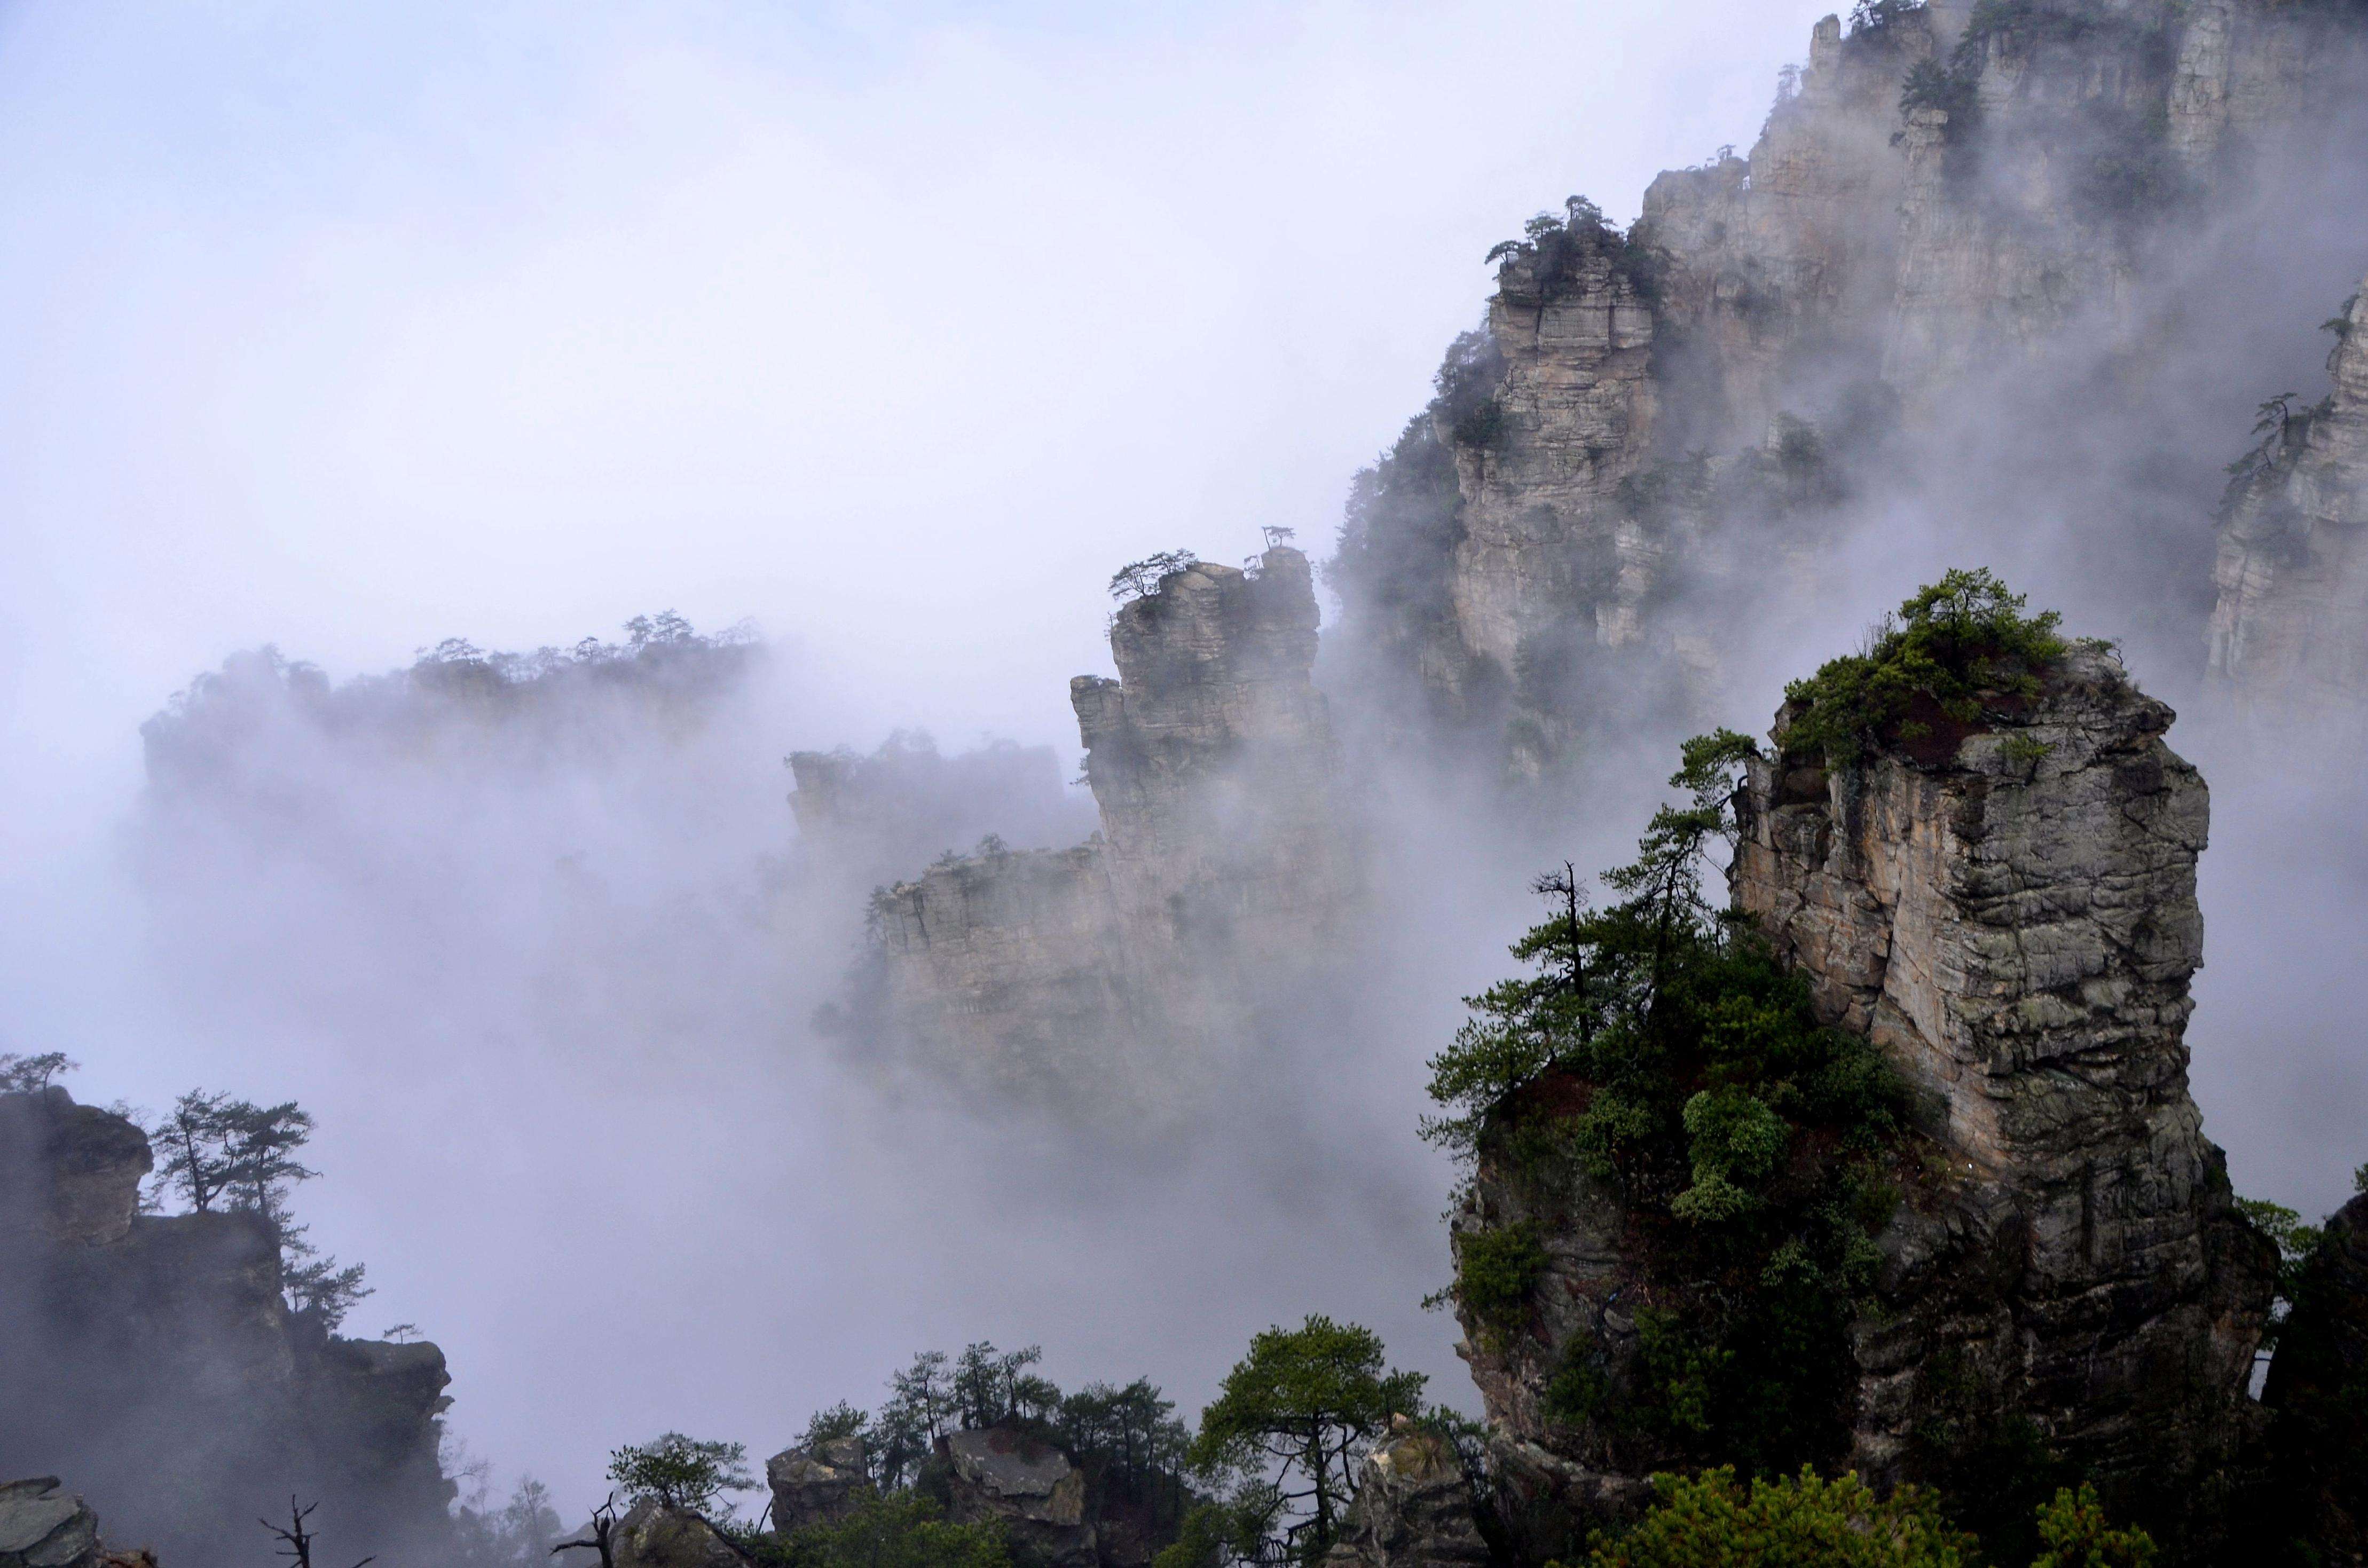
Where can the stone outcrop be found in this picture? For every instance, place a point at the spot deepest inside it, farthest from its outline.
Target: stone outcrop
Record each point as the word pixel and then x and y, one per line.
pixel 2290 625
pixel 1954 215
pixel 819 1488
pixel 2318 1390
pixel 1101 978
pixel 42 1527
pixel 2010 915
pixel 1413 1510
pixel 128 1331
pixel 2008 909
pixel 1027 1485
pixel 652 1535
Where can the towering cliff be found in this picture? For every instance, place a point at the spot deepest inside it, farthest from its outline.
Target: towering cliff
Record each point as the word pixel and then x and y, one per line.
pixel 2291 624
pixel 1970 252
pixel 154 1362
pixel 2005 908
pixel 1103 977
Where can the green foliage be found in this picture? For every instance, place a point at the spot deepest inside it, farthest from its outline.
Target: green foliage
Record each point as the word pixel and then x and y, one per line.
pixel 839 1422
pixel 24 1075
pixel 1298 1408
pixel 901 1529
pixel 679 1471
pixel 1137 578
pixel 1799 1521
pixel 1496 1270
pixel 1871 17
pixel 2296 1244
pixel 1659 1046
pixel 1958 647
pixel 1556 249
pixel 2074 1530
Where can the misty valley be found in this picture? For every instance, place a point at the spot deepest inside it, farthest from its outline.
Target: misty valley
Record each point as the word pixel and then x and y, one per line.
pixel 1754 962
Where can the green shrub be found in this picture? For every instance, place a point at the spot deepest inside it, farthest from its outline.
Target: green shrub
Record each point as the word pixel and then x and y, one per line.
pixel 901 1529
pixel 1799 1521
pixel 1496 1270
pixel 1657 1045
pixel 1955 647
pixel 2074 1530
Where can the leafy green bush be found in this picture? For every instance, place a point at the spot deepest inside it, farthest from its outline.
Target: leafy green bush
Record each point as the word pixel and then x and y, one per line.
pixel 1657 1045
pixel 2074 1530
pixel 1496 1270
pixel 1799 1521
pixel 902 1529
pixel 1957 646
pixel 679 1471
pixel 1805 1521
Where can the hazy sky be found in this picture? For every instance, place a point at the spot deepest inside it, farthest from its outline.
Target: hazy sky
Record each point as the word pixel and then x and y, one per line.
pixel 352 328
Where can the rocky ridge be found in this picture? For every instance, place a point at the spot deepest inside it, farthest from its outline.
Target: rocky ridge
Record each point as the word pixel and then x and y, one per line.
pixel 131 1331
pixel 1949 202
pixel 2008 912
pixel 1080 978
pixel 2290 625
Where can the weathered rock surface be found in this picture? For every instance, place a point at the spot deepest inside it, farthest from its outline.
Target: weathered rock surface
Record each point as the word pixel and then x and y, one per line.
pixel 819 1488
pixel 1101 977
pixel 1950 216
pixel 42 1527
pixel 2010 915
pixel 654 1536
pixel 1413 1510
pixel 2317 1391
pixel 2290 624
pixel 1027 1485
pixel 128 1331
pixel 2008 909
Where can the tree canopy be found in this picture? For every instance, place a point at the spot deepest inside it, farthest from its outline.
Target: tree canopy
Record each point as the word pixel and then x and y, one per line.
pixel 678 1472
pixel 1299 1406
pixel 1696 1081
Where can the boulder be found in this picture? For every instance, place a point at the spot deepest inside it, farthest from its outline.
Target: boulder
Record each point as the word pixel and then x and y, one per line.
pixel 820 1486
pixel 1025 1484
pixel 1413 1508
pixel 42 1527
pixel 652 1535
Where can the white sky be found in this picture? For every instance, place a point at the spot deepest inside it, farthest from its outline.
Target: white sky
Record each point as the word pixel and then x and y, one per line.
pixel 353 327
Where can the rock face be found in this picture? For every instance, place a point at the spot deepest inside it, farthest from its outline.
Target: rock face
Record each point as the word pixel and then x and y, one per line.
pixel 819 1488
pixel 1412 1510
pixel 2012 918
pixel 1953 213
pixel 654 1536
pixel 2008 909
pixel 1101 977
pixel 128 1331
pixel 1027 1485
pixel 2290 625
pixel 42 1527
pixel 2317 1390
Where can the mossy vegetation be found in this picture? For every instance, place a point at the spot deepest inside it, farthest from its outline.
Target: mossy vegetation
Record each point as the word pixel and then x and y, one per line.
pixel 1657 1046
pixel 1806 1521
pixel 1958 649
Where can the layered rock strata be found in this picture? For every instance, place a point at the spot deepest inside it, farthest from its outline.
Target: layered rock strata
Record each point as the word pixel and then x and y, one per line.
pixel 2008 909
pixel 2011 916
pixel 1955 215
pixel 2290 624
pixel 129 1332
pixel 1102 976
